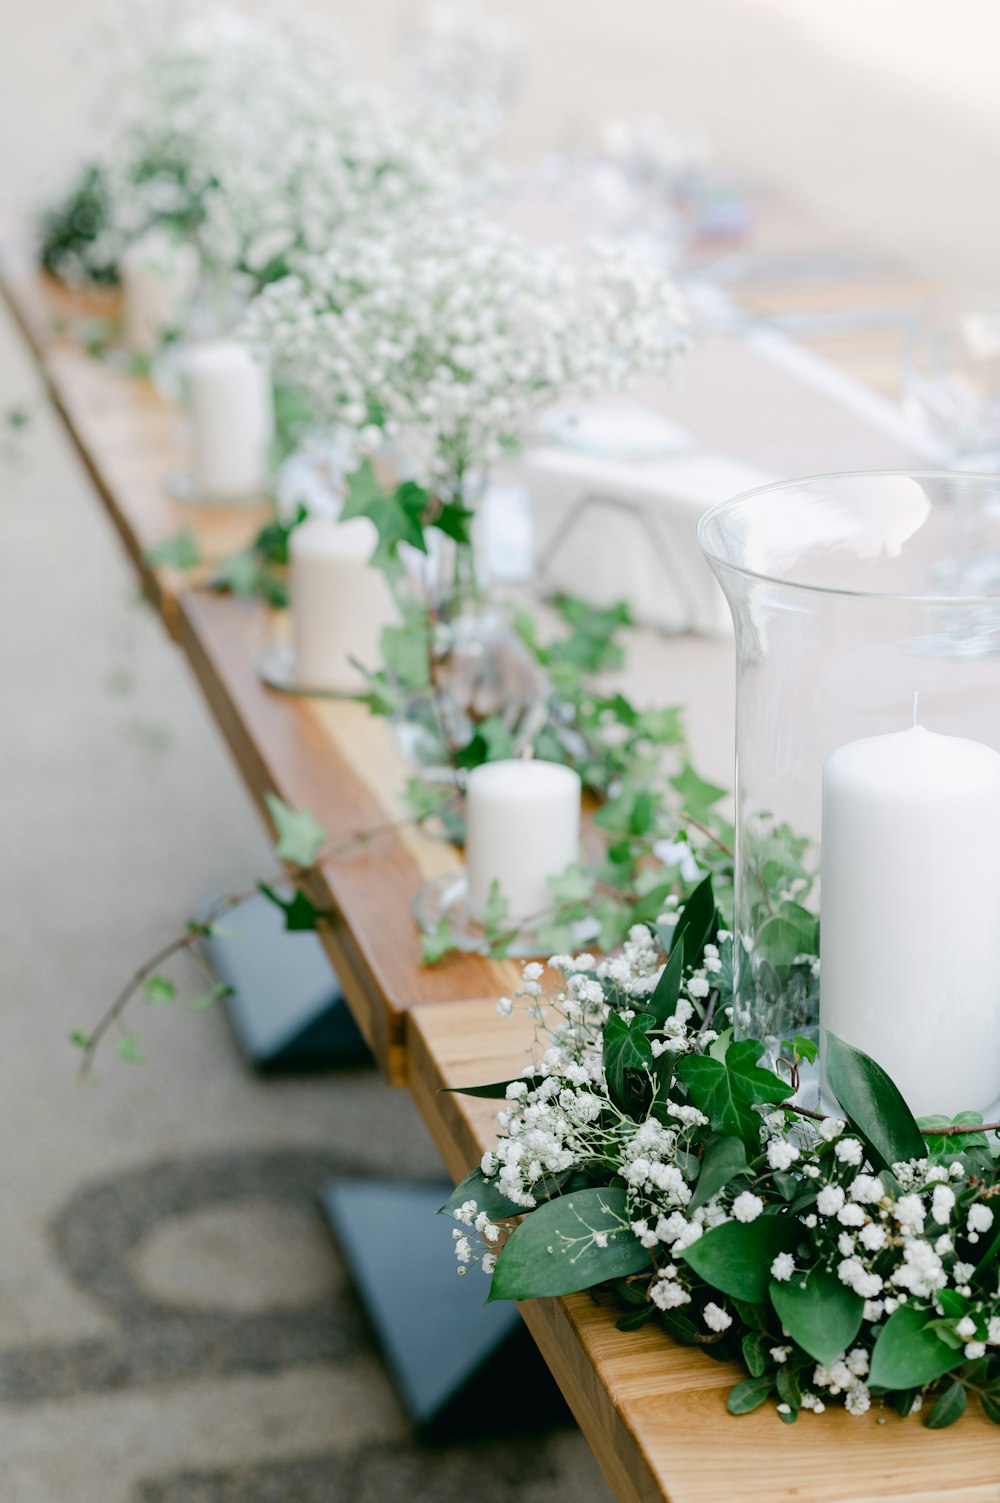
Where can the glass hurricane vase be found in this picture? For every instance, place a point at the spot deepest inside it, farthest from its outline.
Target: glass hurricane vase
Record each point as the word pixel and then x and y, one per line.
pixel 867 624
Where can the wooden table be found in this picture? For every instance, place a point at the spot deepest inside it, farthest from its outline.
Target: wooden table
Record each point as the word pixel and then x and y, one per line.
pixel 654 1412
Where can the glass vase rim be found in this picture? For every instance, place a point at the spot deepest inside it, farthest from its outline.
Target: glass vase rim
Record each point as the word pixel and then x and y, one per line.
pixel 720 508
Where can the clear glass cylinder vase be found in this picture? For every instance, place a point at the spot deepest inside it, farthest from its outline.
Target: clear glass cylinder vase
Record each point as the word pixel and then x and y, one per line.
pixel 867 905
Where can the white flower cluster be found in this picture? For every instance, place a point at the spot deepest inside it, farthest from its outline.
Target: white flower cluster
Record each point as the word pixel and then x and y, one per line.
pixel 891 1238
pixel 245 123
pixel 451 334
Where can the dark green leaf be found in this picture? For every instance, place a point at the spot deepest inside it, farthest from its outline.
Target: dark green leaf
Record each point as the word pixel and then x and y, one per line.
pixel 753 1354
pixel 723 1160
pixel 475 1186
pixel 737 1256
pixel 823 1318
pixel 496 1091
pixel 696 925
pixel 872 1104
pixel 749 1394
pixel 906 1355
pixel 789 1391
pixel 554 1250
pixel 636 1319
pixel 301 913
pixel 991 1406
pixel 663 1002
pixel 948 1408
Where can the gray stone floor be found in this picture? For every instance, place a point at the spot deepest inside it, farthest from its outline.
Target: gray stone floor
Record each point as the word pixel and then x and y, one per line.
pixel 176 1326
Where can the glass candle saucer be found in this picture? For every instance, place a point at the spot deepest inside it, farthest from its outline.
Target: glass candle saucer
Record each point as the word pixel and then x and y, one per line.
pixel 276 668
pixel 447 897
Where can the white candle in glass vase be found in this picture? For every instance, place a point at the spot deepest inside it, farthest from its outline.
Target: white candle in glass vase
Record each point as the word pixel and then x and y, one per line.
pixel 910 913
pixel 339 602
pixel 158 275
pixel 522 827
pixel 232 419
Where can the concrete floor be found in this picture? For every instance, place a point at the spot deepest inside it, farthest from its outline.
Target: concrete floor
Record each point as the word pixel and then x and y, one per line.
pixel 176 1327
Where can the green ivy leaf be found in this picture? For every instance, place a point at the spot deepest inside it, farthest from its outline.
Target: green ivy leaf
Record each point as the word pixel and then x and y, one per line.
pixel 436 945
pixel 405 654
pixel 665 726
pixel 790 931
pixel 574 885
pixel 947 1147
pixel 727 1091
pixel 948 1408
pixel 723 1160
pixel 455 521
pixel 425 800
pixel 475 1186
pixel 127 1049
pixel 179 552
pixel 737 1256
pixel 749 1395
pixel 300 838
pixel 495 911
pixel 872 1105
pixel 907 1355
pixel 554 1250
pixel 823 1317
pixel 398 515
pixel 626 1048
pixel 698 797
pixel 800 1048
pixel 160 990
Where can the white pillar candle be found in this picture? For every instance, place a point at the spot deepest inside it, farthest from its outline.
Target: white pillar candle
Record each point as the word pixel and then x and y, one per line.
pixel 232 419
pixel 339 602
pixel 910 913
pixel 522 827
pixel 157 275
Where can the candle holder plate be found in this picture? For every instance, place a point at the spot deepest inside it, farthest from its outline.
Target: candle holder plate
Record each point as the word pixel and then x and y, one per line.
pixel 447 897
pixel 276 668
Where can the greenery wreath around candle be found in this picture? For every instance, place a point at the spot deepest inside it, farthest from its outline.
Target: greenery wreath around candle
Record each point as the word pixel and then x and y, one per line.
pixel 653 1159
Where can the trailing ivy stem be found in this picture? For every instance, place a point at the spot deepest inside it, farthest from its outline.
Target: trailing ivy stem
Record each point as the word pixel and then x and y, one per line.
pixel 696 824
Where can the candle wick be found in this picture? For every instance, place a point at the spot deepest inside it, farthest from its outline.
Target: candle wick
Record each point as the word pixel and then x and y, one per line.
pixel 916 696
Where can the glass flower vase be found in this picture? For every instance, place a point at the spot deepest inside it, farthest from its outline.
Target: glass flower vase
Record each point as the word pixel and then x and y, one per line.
pixel 867 903
pixel 484 681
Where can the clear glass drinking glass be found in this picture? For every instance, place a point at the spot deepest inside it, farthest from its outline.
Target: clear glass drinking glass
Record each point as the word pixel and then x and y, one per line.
pixel 865 605
pixel 951 380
